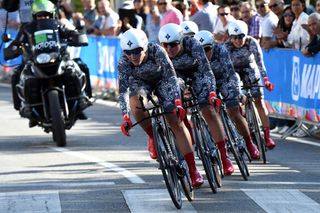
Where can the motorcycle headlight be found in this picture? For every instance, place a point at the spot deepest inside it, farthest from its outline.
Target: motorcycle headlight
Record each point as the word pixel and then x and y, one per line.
pixel 45 58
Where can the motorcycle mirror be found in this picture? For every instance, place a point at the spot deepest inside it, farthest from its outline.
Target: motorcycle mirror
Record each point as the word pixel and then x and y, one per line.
pixel 6 37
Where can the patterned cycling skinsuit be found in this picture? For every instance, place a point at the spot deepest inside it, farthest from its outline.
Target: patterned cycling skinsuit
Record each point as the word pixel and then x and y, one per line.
pixel 156 73
pixel 248 63
pixel 193 64
pixel 226 78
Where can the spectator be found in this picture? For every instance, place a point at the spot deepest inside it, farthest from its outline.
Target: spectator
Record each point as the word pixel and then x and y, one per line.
pixel 220 30
pixel 276 6
pixel 107 23
pixel 252 19
pixel 268 23
pixel 89 13
pixel 314 28
pixel 318 6
pixel 152 21
pixel 169 13
pixel 284 26
pixel 140 10
pixel 298 38
pixel 195 6
pixel 129 18
pixel 206 18
pixel 235 9
pixel 183 7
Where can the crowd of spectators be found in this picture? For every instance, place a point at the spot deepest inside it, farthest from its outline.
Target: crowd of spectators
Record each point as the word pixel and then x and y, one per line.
pixel 272 22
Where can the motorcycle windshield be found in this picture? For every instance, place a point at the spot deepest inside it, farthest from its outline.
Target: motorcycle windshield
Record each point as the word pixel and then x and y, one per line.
pixel 46 40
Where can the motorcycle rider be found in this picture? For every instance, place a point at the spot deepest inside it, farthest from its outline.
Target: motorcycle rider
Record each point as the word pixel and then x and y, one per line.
pixel 190 61
pixel 41 10
pixel 145 68
pixel 25 11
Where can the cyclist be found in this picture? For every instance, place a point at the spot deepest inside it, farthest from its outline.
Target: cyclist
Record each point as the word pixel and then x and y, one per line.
pixel 246 55
pixel 227 84
pixel 190 61
pixel 145 68
pixel 189 28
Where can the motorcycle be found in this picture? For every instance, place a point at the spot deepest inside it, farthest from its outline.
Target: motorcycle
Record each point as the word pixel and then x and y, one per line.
pixel 51 85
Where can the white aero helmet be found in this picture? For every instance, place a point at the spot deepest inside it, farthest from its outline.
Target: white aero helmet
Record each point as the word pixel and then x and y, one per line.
pixel 205 37
pixel 189 27
pixel 132 39
pixel 238 27
pixel 170 33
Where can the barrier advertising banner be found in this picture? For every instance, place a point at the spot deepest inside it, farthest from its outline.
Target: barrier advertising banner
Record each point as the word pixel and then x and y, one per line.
pixel 297 84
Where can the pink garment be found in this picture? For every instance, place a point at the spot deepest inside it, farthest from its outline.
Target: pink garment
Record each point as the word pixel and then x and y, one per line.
pixel 172 16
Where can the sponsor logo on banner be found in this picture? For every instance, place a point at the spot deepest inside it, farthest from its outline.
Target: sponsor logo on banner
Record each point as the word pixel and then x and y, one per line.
pixel 306 84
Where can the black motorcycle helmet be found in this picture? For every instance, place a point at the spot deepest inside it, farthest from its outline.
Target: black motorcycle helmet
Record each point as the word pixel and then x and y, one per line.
pixel 43 7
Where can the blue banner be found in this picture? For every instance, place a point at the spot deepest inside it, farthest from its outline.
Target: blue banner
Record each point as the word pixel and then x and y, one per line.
pixel 297 84
pixel 102 56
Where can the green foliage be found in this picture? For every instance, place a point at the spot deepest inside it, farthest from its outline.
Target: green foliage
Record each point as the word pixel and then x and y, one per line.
pixel 77 6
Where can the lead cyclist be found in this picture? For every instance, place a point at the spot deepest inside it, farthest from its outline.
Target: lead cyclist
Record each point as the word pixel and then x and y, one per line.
pixel 247 59
pixel 145 68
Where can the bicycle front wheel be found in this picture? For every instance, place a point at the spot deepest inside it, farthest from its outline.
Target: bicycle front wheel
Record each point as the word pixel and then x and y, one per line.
pixel 232 145
pixel 167 164
pixel 254 127
pixel 201 140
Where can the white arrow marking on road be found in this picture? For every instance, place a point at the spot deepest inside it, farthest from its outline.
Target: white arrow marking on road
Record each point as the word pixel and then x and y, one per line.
pixel 133 178
pixel 154 200
pixel 33 201
pixel 283 200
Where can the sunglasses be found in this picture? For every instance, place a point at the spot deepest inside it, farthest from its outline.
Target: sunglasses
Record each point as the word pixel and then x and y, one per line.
pixel 135 51
pixel 171 44
pixel 207 48
pixel 260 6
pixel 240 36
pixel 272 6
pixel 223 14
pixel 287 15
pixel 233 9
pixel 162 3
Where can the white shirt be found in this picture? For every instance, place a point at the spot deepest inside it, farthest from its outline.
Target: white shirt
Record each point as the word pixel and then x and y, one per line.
pixel 268 23
pixel 110 21
pixel 298 37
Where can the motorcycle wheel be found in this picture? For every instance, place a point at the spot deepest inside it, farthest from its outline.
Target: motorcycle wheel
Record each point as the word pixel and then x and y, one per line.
pixel 58 129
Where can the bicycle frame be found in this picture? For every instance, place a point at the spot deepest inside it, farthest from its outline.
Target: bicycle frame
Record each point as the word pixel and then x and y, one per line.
pixel 206 148
pixel 253 120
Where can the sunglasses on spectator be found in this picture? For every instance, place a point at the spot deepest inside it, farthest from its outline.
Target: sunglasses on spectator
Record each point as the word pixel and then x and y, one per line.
pixel 287 15
pixel 223 14
pixel 171 44
pixel 274 5
pixel 207 48
pixel 240 36
pixel 233 9
pixel 260 6
pixel 162 3
pixel 135 51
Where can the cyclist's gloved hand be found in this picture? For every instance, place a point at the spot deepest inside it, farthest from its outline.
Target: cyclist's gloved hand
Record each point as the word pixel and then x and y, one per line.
pixel 214 100
pixel 178 110
pixel 126 125
pixel 267 84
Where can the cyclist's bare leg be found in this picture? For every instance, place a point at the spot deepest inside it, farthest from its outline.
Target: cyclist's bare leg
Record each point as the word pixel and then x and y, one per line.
pixel 263 113
pixel 184 144
pixel 138 115
pixel 217 131
pixel 242 127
